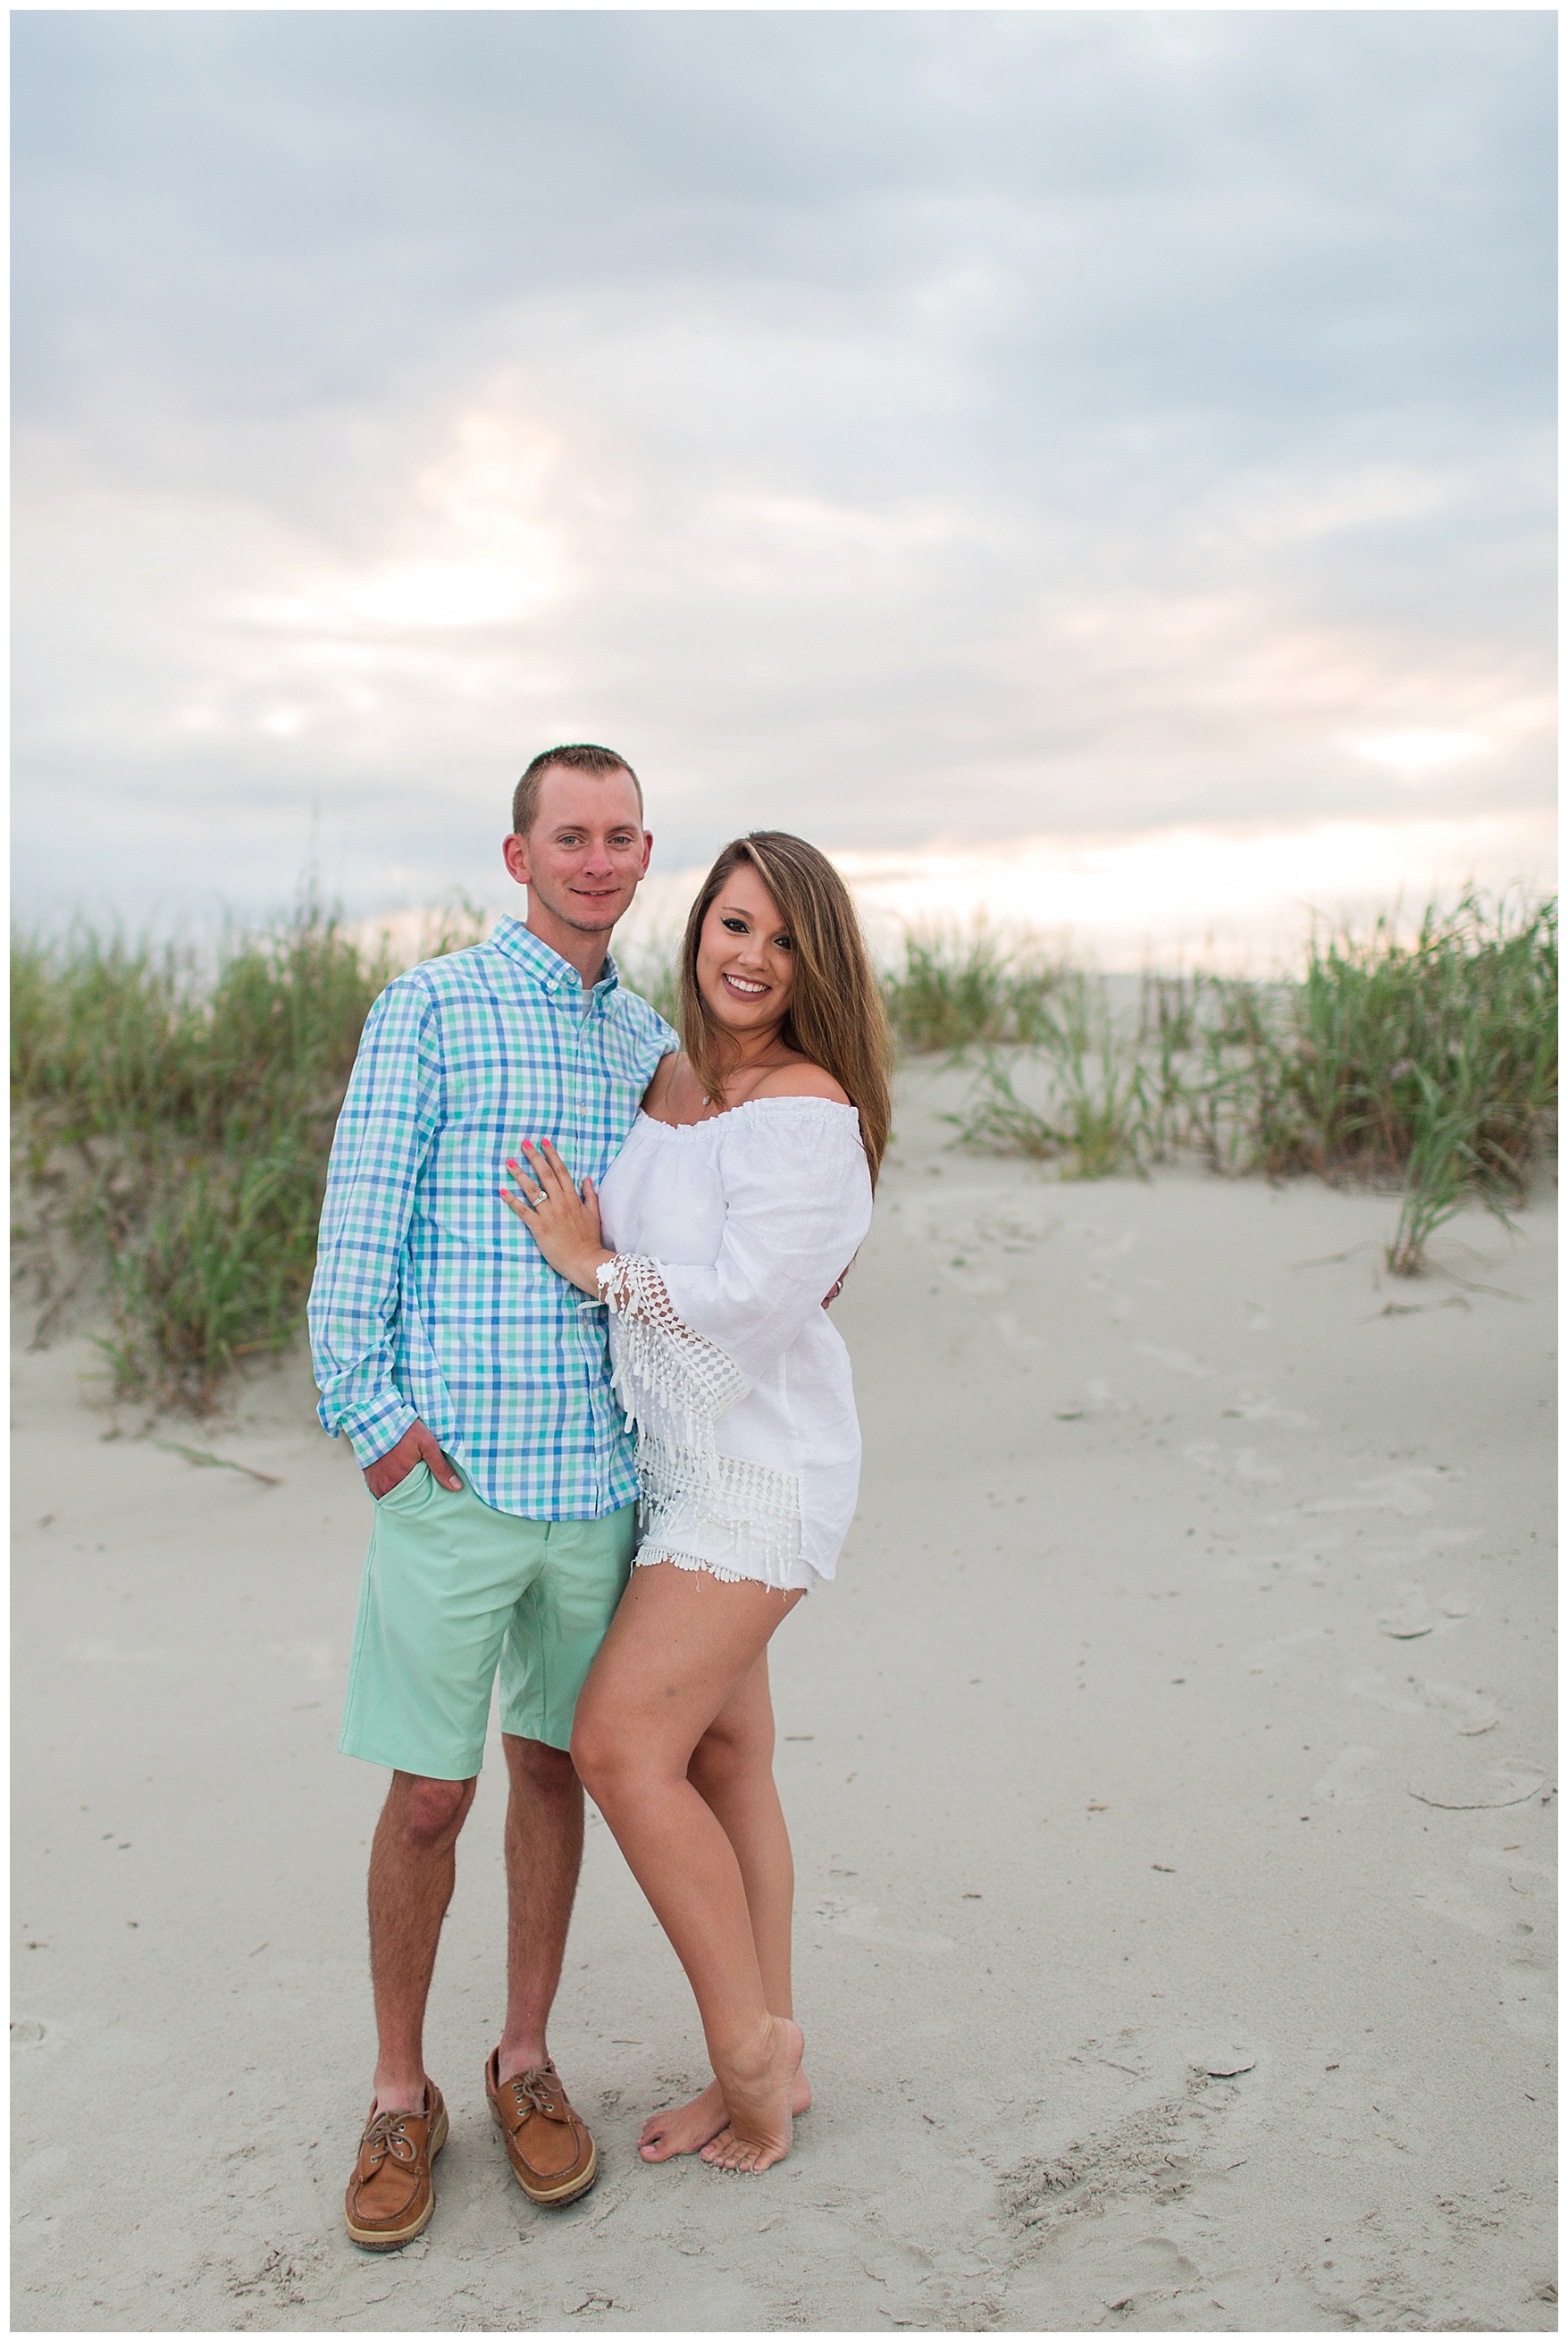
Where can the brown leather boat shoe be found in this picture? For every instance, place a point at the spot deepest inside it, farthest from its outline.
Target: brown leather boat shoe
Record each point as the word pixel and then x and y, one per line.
pixel 391 2195
pixel 553 2157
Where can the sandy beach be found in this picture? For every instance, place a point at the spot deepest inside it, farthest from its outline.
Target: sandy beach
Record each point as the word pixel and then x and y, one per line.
pixel 1170 1777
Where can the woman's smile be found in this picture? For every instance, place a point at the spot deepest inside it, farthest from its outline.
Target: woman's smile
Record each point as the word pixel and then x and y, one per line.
pixel 746 960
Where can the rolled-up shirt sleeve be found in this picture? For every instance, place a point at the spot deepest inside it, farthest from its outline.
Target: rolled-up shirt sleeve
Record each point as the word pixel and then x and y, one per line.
pixel 391 1114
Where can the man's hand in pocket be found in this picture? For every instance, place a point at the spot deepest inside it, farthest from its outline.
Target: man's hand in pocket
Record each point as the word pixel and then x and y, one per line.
pixel 417 1446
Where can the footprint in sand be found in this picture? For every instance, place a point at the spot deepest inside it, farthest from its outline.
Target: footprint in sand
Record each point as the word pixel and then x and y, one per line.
pixel 1101 1400
pixel 1063 2204
pixel 1245 1464
pixel 1428 1543
pixel 1016 1230
pixel 1179 1362
pixel 1458 1900
pixel 1297 1561
pixel 1412 1617
pixel 1282 1650
pixel 859 1919
pixel 1418 1552
pixel 980 1284
pixel 1372 1686
pixel 1453 1900
pixel 1526 1984
pixel 1457 1781
pixel 1121 1305
pixel 1470 1713
pixel 957 1245
pixel 1089 2274
pixel 1536 1881
pixel 1122 2275
pixel 1345 1783
pixel 1410 1493
pixel 1264 1409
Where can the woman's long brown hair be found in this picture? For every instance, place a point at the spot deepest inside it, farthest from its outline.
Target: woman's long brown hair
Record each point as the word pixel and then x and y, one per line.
pixel 835 1016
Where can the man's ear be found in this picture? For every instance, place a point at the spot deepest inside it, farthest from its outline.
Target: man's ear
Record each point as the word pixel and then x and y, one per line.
pixel 647 850
pixel 514 853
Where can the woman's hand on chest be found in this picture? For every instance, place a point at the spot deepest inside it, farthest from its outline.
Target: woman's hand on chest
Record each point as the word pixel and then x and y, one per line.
pixel 562 1217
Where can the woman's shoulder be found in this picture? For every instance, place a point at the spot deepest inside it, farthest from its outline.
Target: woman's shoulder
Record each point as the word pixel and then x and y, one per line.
pixel 802 1080
pixel 672 1073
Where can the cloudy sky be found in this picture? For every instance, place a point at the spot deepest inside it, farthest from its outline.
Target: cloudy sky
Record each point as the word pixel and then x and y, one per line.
pixel 923 431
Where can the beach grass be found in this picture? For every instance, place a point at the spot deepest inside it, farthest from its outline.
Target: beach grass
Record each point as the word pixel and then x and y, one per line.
pixel 171 1116
pixel 173 1110
pixel 652 968
pixel 1095 1117
pixel 957 988
pixel 1425 1064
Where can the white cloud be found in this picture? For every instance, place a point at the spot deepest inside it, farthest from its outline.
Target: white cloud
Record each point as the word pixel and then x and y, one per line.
pixel 1412 754
pixel 1059 424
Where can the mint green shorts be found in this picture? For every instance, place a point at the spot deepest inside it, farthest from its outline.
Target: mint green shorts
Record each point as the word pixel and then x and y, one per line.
pixel 454 1590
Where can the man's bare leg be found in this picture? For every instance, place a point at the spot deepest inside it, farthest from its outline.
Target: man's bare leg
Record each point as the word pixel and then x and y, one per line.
pixel 544 1856
pixel 732 1769
pixel 413 1869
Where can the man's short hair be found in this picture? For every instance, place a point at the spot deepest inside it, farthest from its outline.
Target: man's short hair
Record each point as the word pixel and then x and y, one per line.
pixel 582 758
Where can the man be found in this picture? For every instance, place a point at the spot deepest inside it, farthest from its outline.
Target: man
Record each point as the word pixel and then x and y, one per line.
pixel 473 1387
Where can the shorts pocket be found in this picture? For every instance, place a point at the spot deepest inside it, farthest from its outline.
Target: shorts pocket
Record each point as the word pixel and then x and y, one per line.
pixel 412 1491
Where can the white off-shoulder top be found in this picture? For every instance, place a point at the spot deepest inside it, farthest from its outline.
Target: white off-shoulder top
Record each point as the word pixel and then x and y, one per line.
pixel 727 1234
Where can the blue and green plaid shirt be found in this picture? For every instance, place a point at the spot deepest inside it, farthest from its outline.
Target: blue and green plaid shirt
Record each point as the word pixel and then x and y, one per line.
pixel 430 1301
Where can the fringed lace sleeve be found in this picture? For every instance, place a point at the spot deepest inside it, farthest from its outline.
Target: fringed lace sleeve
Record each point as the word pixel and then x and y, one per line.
pixel 673 1382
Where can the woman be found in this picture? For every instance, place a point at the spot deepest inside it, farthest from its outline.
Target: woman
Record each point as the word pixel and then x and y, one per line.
pixel 741 1193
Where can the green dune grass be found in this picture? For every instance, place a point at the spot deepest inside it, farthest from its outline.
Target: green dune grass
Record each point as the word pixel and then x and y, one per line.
pixel 172 1117
pixel 173 1113
pixel 1428 1066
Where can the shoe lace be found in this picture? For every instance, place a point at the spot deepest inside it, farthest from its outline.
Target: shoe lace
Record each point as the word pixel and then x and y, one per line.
pixel 535 2088
pixel 387 2132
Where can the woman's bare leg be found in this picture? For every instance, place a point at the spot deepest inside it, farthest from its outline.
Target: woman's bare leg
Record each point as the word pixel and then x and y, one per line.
pixel 677 1647
pixel 731 1770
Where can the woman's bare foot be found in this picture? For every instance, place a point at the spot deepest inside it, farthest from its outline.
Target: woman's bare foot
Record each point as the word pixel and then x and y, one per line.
pixel 758 2092
pixel 681 2130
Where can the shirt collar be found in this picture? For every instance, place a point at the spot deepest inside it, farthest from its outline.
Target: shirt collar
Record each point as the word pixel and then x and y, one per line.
pixel 547 967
